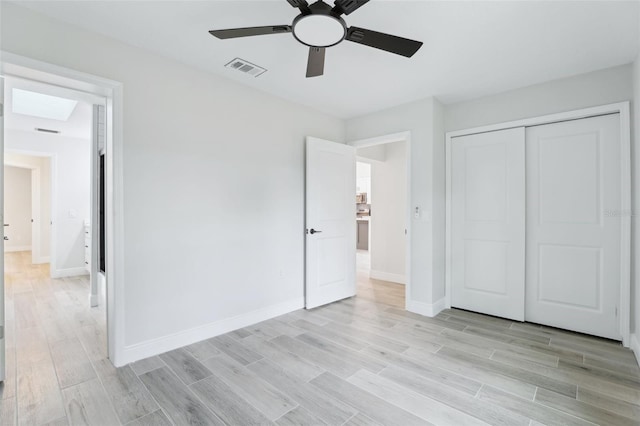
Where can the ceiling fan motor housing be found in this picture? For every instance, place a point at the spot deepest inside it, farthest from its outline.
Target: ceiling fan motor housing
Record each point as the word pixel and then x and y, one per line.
pixel 321 26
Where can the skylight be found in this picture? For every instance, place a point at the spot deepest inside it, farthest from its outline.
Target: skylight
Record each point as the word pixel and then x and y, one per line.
pixel 42 106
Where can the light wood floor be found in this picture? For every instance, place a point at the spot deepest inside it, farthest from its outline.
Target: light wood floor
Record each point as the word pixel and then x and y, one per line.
pixel 360 361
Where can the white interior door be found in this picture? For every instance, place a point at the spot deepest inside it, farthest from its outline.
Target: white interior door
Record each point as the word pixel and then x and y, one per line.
pixel 330 222
pixel 573 245
pixel 488 223
pixel 2 322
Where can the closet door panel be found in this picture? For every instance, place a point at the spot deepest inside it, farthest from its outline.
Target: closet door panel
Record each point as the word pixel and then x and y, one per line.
pixel 573 247
pixel 488 223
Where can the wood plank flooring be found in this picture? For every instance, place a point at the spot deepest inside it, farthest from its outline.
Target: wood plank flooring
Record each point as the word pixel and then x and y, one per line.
pixel 360 361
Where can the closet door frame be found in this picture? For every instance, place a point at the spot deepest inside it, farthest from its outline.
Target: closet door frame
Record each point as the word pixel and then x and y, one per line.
pixel 624 212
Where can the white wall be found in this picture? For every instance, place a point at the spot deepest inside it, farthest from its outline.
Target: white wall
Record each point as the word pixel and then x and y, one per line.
pixel 363 178
pixel 71 186
pixel 427 180
pixel 42 216
pixel 17 208
pixel 389 211
pixel 376 152
pixel 585 90
pixel 213 186
pixel 635 219
pixel 45 210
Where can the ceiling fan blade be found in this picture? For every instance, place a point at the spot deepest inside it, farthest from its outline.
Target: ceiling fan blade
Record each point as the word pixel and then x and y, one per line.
pixel 348 6
pixel 300 4
pixel 250 31
pixel 390 43
pixel 315 65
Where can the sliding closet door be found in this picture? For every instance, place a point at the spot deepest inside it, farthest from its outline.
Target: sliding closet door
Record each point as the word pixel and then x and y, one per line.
pixel 573 245
pixel 488 223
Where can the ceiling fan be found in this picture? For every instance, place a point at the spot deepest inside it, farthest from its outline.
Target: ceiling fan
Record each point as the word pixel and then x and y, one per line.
pixel 320 26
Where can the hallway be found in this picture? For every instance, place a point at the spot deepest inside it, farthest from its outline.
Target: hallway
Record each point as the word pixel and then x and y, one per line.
pixel 54 342
pixel 376 291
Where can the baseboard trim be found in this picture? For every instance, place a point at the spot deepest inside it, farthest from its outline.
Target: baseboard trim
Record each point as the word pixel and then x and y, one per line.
pixel 69 272
pixel 41 260
pixel 426 309
pixel 634 344
pixel 163 344
pixel 387 276
pixel 17 248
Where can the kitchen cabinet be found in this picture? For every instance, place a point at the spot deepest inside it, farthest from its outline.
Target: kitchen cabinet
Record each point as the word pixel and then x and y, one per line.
pixel 362 237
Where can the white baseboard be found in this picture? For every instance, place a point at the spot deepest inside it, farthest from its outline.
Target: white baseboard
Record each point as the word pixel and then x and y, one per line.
pixel 70 272
pixel 426 309
pixel 634 344
pixel 16 248
pixel 163 344
pixel 41 260
pixel 387 276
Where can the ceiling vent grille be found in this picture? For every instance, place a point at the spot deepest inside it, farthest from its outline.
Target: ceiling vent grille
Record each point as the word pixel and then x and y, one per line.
pixel 40 129
pixel 246 67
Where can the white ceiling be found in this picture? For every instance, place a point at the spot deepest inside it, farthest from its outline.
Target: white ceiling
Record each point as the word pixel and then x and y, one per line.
pixel 77 126
pixel 471 49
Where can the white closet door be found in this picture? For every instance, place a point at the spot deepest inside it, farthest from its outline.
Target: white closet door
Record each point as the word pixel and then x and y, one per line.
pixel 488 223
pixel 573 246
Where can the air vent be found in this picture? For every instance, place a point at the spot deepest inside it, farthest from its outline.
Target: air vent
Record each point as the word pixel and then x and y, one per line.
pixel 40 129
pixel 246 67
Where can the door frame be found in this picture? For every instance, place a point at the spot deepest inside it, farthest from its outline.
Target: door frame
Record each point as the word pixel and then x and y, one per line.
pixel 112 91
pixel 621 108
pixel 383 140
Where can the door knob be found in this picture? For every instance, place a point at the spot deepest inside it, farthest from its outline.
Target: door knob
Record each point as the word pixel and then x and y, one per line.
pixel 313 231
pixel 6 238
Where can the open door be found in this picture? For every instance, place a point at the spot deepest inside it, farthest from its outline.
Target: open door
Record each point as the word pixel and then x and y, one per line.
pixel 2 354
pixel 330 222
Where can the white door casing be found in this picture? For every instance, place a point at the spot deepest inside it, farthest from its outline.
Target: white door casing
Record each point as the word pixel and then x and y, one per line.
pixel 488 223
pixel 2 311
pixel 97 134
pixel 573 232
pixel 330 222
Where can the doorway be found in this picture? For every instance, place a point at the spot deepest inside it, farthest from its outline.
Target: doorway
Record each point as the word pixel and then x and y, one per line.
pixel 381 202
pixel 48 130
pixel 108 341
pixel 331 232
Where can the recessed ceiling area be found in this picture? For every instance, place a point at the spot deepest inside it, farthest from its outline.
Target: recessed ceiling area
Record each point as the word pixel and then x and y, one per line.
pixel 39 105
pixel 471 49
pixel 32 105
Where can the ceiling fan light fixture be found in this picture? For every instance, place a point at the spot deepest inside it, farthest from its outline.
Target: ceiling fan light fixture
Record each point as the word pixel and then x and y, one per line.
pixel 320 26
pixel 319 30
